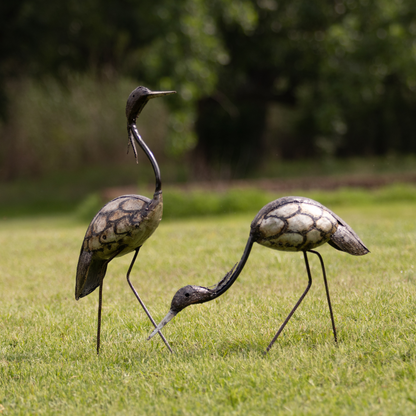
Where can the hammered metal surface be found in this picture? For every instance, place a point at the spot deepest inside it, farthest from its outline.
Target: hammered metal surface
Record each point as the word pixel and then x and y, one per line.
pixel 119 228
pixel 124 221
pixel 294 224
pixel 287 224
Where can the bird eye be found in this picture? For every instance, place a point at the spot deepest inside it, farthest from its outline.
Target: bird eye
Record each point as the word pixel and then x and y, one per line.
pixel 187 295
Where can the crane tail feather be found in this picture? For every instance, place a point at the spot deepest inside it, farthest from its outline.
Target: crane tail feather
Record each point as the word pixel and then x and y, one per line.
pixel 90 273
pixel 345 239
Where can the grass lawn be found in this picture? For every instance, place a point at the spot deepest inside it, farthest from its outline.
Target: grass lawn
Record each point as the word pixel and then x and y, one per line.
pixel 48 363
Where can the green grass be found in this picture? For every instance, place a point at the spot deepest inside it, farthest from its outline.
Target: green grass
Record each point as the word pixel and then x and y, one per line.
pixel 199 203
pixel 63 191
pixel 48 363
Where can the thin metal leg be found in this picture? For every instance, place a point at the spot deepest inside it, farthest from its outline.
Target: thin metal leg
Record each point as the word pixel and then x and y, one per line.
pixel 141 302
pixel 100 304
pixel 297 304
pixel 327 294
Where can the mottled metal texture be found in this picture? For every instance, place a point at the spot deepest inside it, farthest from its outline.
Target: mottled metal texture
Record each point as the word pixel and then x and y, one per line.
pixel 297 224
pixel 119 228
pixel 289 224
pixel 138 98
pixel 189 295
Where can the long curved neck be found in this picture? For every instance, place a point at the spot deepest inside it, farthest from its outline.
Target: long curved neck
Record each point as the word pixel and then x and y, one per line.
pixel 149 155
pixel 225 283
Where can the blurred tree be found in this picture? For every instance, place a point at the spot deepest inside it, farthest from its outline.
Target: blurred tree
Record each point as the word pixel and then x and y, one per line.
pixel 166 43
pixel 345 66
pixel 269 62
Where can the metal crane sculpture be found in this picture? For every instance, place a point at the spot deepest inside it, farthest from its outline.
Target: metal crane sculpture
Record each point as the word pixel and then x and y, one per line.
pixel 125 223
pixel 288 224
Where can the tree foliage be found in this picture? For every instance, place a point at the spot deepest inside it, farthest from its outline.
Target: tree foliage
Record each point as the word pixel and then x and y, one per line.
pixel 345 68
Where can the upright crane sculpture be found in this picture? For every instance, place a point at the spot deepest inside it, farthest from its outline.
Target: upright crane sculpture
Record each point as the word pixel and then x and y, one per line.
pixel 287 224
pixel 124 224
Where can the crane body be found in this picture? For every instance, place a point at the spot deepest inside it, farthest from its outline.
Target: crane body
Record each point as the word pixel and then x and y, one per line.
pixel 119 228
pixel 295 223
pixel 124 224
pixel 287 224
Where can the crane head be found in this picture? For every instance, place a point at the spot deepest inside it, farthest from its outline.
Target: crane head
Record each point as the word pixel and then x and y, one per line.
pixel 187 295
pixel 138 98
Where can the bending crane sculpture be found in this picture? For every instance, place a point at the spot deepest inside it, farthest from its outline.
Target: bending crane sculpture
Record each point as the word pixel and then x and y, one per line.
pixel 124 224
pixel 288 224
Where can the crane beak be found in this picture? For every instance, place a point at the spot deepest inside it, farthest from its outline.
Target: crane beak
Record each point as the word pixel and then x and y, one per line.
pixel 171 314
pixel 154 94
